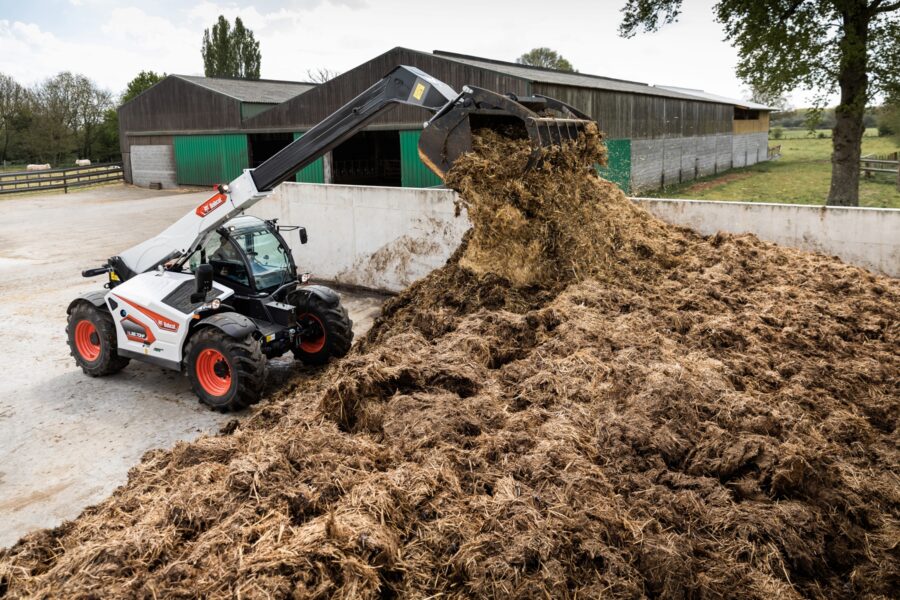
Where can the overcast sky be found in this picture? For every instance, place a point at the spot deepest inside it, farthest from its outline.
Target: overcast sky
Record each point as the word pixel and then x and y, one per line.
pixel 111 40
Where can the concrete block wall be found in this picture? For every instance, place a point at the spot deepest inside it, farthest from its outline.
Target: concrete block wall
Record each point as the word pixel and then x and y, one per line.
pixel 670 161
pixel 153 164
pixel 655 163
pixel 386 238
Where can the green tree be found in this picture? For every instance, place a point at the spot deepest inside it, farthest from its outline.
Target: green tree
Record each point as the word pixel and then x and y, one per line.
pixel 889 119
pixel 140 84
pixel 230 52
pixel 106 147
pixel 847 46
pixel 547 58
pixel 51 136
pixel 13 106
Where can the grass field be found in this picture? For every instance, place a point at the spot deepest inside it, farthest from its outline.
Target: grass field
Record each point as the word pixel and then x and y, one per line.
pixel 804 134
pixel 801 176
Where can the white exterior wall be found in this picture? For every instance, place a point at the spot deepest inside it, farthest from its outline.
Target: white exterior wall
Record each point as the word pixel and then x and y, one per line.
pixel 386 238
pixel 153 164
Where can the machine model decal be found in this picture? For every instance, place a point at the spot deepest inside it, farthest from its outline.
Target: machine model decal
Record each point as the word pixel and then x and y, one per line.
pixel 137 331
pixel 161 321
pixel 211 205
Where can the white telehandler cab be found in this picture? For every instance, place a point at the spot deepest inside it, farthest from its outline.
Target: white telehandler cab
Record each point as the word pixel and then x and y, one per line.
pixel 217 293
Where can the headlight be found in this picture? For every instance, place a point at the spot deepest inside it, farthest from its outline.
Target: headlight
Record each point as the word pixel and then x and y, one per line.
pixel 215 304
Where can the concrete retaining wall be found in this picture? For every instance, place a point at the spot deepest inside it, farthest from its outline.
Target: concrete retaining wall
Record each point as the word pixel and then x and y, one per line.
pixel 152 164
pixel 386 238
pixel 376 237
pixel 868 237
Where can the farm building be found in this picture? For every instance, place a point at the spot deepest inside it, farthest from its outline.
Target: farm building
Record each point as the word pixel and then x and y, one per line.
pixel 656 135
pixel 187 130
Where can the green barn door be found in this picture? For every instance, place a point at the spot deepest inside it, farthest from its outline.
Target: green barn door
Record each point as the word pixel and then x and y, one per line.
pixel 210 159
pixel 413 172
pixel 618 165
pixel 312 173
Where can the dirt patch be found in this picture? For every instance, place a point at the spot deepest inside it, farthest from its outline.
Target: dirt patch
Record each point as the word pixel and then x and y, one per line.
pixel 704 186
pixel 644 412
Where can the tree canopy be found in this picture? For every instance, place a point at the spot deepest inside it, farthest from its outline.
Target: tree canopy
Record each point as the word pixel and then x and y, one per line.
pixel 850 47
pixel 547 58
pixel 141 83
pixel 230 52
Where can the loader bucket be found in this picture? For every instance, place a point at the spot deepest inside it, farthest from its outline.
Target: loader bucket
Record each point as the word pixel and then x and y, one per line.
pixel 545 121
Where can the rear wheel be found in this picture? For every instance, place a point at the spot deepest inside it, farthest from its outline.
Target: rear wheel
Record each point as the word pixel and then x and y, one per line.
pixel 325 331
pixel 226 374
pixel 92 340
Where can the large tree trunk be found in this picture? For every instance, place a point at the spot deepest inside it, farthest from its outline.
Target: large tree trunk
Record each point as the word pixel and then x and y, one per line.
pixel 849 128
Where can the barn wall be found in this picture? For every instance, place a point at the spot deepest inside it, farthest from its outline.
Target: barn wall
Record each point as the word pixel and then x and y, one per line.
pixel 176 105
pixel 309 108
pixel 172 105
pixel 759 125
pixel 146 140
pixel 153 163
pixel 749 149
pixel 635 116
pixel 210 159
pixel 661 162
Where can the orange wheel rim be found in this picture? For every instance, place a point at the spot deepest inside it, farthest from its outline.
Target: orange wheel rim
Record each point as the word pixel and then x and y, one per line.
pixel 213 372
pixel 87 341
pixel 316 344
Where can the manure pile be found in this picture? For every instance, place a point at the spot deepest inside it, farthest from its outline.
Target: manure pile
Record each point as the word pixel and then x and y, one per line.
pixel 584 402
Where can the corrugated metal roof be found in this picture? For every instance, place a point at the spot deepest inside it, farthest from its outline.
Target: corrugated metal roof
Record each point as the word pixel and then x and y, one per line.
pixel 551 76
pixel 716 98
pixel 263 91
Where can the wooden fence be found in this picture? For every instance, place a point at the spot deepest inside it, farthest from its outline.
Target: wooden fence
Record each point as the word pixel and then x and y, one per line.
pixel 881 163
pixel 59 179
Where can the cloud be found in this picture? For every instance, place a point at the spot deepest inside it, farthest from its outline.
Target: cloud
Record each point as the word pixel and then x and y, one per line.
pixel 128 41
pixel 113 39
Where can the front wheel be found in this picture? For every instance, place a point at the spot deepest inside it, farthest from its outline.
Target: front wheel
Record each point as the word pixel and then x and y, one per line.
pixel 92 340
pixel 325 331
pixel 226 374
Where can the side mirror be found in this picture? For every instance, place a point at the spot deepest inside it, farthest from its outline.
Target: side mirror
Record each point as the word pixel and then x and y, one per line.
pixel 303 238
pixel 203 279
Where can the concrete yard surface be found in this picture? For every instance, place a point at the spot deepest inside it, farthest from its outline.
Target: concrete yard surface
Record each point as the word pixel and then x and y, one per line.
pixel 68 440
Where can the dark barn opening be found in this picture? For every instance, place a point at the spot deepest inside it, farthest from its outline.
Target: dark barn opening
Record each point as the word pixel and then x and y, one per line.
pixel 368 158
pixel 262 146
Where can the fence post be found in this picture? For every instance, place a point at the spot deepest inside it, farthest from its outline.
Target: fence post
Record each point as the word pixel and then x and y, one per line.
pixel 898 170
pixel 65 182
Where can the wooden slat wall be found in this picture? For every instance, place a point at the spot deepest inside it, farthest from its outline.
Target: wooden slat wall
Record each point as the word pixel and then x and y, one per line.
pixel 635 116
pixel 306 110
pixel 760 125
pixel 177 106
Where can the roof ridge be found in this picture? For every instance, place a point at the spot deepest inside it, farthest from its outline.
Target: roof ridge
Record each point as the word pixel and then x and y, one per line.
pixel 448 54
pixel 244 79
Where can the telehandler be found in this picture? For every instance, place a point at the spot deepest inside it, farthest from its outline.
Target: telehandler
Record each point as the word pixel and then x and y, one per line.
pixel 217 293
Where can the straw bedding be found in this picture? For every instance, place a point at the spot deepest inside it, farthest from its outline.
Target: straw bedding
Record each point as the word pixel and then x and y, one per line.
pixel 584 402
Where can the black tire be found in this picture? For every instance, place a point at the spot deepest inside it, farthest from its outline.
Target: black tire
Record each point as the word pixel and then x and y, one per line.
pixel 212 357
pixel 333 332
pixel 91 334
